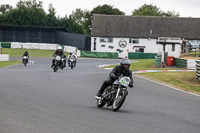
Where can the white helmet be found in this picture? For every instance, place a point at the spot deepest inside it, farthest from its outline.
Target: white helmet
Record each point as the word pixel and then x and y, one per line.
pixel 59 47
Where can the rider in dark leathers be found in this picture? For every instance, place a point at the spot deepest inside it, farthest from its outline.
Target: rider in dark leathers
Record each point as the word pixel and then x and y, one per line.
pixel 123 68
pixel 60 53
pixel 25 54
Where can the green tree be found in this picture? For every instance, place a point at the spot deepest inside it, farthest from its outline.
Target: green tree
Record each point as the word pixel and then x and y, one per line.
pixel 81 17
pixel 71 25
pixel 150 10
pixel 171 14
pixel 104 9
pixel 52 21
pixel 107 10
pixel 78 15
pixel 27 13
pixel 5 8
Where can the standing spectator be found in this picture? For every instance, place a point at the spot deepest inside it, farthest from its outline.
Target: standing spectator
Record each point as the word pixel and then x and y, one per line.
pixel 184 44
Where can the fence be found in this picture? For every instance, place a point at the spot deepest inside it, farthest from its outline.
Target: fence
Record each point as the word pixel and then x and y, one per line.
pixel 198 69
pixel 44 35
pixel 157 61
pixel 132 55
pixel 5 45
pixel 181 63
pixel 99 54
pixel 191 51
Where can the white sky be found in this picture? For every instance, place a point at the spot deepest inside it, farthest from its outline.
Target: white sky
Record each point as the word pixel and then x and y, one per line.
pixel 186 8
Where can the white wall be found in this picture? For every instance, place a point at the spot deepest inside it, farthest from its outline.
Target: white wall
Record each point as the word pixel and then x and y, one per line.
pixel 4 57
pixel 149 44
pixel 168 48
pixel 191 64
pixel 70 49
pixel 42 46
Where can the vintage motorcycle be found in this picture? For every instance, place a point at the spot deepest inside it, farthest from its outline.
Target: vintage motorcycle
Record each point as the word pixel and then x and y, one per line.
pixel 25 60
pixel 58 63
pixel 115 94
pixel 72 62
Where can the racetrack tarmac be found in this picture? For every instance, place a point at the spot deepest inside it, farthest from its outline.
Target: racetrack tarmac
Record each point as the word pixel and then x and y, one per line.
pixel 34 99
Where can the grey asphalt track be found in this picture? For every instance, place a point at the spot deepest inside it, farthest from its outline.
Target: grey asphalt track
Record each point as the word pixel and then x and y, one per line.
pixel 34 99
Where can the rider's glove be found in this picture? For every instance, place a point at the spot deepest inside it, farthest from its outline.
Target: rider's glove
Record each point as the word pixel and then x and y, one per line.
pixel 130 85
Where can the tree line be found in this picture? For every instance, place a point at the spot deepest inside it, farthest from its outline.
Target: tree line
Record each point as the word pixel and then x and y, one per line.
pixel 31 13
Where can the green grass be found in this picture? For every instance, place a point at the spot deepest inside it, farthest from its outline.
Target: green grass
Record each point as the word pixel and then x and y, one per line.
pixel 32 52
pixel 19 53
pixel 193 54
pixel 145 64
pixel 183 80
pixel 8 63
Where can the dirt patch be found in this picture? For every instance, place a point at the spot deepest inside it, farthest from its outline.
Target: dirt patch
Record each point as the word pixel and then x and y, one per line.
pixel 187 57
pixel 153 65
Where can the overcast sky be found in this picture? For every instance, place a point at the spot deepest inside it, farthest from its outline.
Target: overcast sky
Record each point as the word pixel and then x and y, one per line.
pixel 186 8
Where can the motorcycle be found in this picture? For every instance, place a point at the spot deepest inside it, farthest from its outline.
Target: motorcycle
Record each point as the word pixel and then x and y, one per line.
pixel 115 94
pixel 25 60
pixel 58 63
pixel 72 62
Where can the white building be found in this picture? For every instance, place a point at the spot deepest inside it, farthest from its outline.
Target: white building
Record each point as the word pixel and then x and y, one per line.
pixel 124 45
pixel 123 34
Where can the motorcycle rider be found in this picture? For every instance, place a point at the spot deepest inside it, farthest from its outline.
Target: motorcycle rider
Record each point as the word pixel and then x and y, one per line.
pixel 25 54
pixel 60 53
pixel 122 69
pixel 72 55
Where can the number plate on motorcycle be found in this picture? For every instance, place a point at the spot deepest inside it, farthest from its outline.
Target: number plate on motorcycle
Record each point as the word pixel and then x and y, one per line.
pixel 125 81
pixel 57 57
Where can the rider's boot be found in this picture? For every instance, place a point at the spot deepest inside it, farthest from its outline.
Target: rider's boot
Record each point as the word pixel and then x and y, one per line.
pixel 98 95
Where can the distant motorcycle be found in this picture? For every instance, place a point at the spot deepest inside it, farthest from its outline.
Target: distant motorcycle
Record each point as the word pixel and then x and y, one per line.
pixel 72 63
pixel 115 94
pixel 58 63
pixel 25 60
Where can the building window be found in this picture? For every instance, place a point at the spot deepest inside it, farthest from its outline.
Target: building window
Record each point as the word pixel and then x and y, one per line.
pixel 173 47
pixel 134 40
pixel 139 50
pixel 106 39
pixel 102 40
pixel 110 39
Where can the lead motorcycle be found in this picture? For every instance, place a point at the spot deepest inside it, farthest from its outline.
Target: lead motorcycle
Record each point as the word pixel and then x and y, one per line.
pixel 25 60
pixel 115 94
pixel 58 63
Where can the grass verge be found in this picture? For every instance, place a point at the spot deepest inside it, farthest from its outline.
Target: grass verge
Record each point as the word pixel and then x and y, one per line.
pixel 8 63
pixel 19 52
pixel 183 80
pixel 32 52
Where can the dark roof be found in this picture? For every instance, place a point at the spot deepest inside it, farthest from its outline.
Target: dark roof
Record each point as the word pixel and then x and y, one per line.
pixel 141 26
pixel 28 28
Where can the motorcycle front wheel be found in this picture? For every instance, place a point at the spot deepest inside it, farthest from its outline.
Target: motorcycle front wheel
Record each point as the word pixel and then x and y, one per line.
pixel 72 65
pixel 118 101
pixel 55 68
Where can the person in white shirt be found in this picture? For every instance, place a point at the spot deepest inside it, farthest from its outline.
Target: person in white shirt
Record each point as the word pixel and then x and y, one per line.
pixel 74 56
